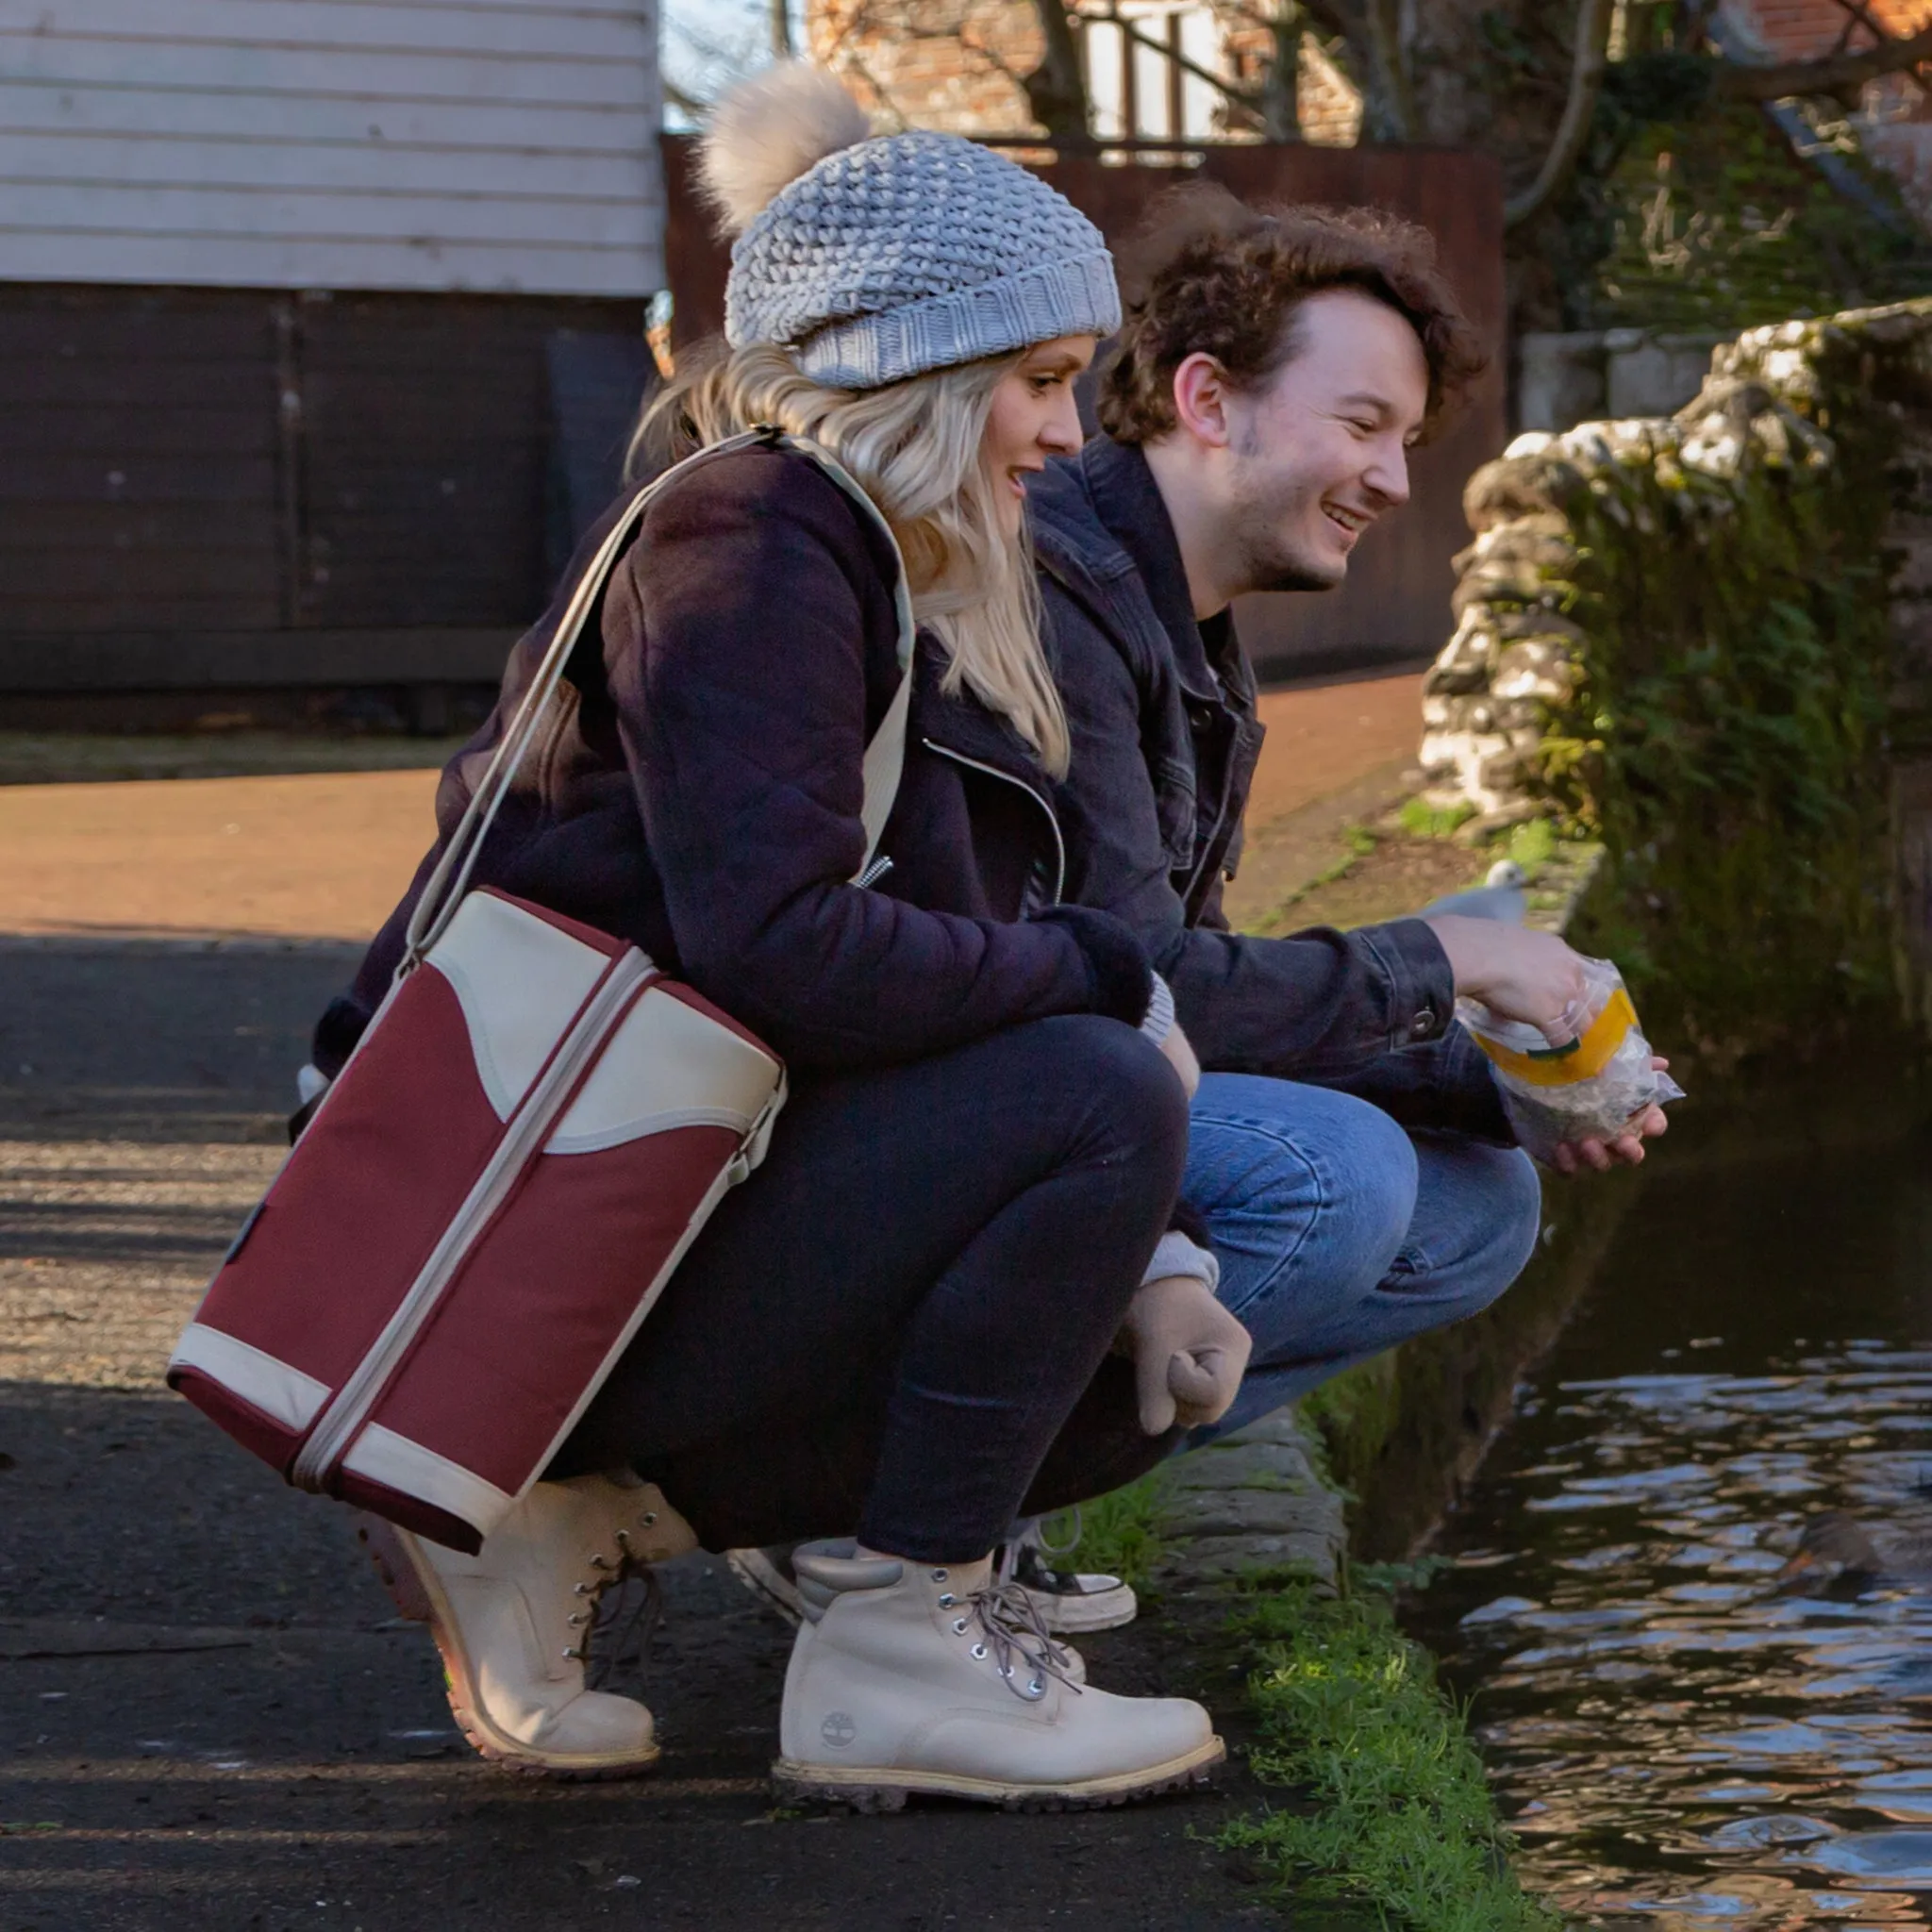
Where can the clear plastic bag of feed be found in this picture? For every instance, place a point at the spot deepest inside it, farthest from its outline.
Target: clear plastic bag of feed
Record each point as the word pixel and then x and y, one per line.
pixel 1591 1088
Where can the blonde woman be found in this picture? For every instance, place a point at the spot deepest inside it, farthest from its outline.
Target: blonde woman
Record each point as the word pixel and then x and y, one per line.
pixel 985 1131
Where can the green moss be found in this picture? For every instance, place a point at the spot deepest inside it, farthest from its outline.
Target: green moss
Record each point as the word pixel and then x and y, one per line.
pixel 1398 1815
pixel 1724 739
pixel 1422 819
pixel 1532 845
pixel 1710 221
pixel 1358 841
pixel 1354 1415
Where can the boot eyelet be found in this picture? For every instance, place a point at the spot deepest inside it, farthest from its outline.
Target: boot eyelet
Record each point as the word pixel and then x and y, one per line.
pixel 947 1600
pixel 940 1575
pixel 1035 1688
pixel 979 1650
pixel 586 1588
pixel 958 1626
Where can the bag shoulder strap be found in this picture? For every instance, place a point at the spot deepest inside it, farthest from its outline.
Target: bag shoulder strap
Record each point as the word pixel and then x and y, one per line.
pixel 885 756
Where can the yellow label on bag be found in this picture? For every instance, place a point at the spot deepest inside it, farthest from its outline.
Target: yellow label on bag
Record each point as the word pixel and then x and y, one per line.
pixel 1582 1059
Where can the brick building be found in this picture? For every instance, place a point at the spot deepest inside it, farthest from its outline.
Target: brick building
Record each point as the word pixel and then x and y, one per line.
pixel 1894 117
pixel 955 63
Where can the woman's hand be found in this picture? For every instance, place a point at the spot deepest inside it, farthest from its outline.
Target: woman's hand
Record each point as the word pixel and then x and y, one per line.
pixel 1176 1051
pixel 1189 1353
pixel 1517 973
pixel 1625 1150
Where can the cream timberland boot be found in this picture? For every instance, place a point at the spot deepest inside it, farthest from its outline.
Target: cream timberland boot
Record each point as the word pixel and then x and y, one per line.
pixel 767 1573
pixel 930 1677
pixel 512 1622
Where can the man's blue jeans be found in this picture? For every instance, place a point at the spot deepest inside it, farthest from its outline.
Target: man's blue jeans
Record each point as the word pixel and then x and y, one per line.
pixel 1341 1233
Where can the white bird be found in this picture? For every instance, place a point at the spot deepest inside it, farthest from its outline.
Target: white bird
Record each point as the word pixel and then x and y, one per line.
pixel 1500 896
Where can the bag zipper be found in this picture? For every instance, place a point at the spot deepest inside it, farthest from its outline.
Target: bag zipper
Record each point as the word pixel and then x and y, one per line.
pixel 1060 845
pixel 340 1421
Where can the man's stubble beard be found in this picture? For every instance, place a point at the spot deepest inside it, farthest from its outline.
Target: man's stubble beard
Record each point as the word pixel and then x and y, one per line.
pixel 1270 559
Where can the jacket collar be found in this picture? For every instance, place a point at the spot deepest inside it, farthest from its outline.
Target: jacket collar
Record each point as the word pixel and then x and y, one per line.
pixel 1120 494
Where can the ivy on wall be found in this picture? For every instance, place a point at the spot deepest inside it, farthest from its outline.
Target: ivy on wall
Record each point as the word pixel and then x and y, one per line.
pixel 1706 641
pixel 1714 222
pixel 1725 729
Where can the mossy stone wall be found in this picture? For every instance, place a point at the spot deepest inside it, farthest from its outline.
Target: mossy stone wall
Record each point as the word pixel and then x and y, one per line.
pixel 1704 641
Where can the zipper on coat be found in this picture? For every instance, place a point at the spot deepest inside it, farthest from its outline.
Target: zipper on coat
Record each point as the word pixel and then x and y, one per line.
pixel 1060 845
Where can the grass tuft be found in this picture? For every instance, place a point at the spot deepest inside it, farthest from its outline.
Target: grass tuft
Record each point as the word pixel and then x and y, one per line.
pixel 1422 819
pixel 1353 1719
pixel 1116 1533
pixel 1532 845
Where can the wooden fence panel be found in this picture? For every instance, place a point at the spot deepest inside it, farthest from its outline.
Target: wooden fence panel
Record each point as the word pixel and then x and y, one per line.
pixel 138 460
pixel 185 473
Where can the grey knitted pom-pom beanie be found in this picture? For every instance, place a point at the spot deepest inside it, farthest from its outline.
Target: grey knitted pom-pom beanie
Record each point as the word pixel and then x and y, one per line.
pixel 876 259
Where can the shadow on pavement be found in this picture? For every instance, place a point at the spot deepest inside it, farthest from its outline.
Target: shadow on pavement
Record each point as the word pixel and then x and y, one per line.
pixel 209 1717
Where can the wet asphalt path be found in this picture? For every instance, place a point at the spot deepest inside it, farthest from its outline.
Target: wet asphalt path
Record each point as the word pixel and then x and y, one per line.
pixel 207 1717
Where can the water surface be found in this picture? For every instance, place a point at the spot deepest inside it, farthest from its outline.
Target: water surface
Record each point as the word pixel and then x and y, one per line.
pixel 1680 1743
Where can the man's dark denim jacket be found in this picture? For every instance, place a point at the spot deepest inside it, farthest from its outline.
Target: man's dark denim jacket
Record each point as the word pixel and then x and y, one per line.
pixel 1164 746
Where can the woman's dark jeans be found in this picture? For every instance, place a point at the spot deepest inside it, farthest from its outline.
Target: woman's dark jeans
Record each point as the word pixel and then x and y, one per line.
pixel 944 1251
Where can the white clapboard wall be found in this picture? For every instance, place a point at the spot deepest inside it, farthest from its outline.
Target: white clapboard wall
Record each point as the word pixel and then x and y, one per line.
pixel 490 145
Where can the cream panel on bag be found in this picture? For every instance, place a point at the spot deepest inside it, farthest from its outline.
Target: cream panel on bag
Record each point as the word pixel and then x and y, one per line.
pixel 669 1066
pixel 495 956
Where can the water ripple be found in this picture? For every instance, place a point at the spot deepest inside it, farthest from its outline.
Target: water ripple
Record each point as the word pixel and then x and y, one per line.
pixel 1681 1745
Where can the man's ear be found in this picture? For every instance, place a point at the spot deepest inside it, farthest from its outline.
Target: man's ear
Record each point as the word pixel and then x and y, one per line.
pixel 1200 400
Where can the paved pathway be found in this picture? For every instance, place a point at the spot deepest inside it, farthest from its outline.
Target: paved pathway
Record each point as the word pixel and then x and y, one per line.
pixel 208 1715
pixel 325 855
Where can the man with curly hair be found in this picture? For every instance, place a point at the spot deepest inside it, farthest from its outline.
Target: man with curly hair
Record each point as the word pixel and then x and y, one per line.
pixel 1348 1151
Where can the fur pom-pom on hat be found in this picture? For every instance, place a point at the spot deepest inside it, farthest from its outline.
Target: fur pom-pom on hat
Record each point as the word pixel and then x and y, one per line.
pixel 768 131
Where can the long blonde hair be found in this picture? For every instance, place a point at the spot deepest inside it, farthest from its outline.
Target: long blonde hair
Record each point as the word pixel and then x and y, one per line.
pixel 915 448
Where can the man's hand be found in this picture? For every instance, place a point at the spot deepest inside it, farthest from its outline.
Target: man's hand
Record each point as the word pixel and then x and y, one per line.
pixel 1176 1051
pixel 1626 1150
pixel 1189 1353
pixel 1534 977
pixel 1517 973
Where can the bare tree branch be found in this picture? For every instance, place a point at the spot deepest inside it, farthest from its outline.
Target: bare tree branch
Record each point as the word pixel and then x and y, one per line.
pixel 1347 18
pixel 1856 16
pixel 1588 63
pixel 1056 89
pixel 1388 102
pixel 1737 81
pixel 1280 89
pixel 1249 98
pixel 911 20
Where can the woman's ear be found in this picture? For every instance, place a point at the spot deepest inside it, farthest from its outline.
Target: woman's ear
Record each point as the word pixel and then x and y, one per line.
pixel 1200 400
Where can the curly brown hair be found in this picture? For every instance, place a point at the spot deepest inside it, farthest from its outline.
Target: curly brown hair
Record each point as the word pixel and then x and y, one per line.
pixel 1209 273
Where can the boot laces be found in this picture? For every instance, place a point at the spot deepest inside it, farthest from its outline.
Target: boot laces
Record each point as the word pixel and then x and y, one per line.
pixel 1015 1634
pixel 619 1609
pixel 619 1642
